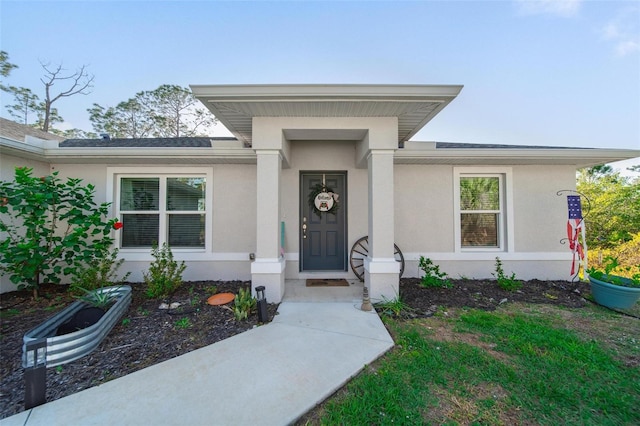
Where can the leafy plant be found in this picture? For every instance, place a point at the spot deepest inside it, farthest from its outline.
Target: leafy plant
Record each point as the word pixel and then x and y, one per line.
pixel 97 297
pixel 433 277
pixel 51 228
pixel 100 272
pixel 508 283
pixel 194 299
pixel 610 266
pixel 183 322
pixel 243 304
pixel 165 274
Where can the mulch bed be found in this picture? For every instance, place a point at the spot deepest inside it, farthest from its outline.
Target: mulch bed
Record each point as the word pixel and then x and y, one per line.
pixel 148 335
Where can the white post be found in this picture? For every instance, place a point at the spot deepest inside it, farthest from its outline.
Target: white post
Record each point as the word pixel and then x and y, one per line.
pixel 381 269
pixel 268 268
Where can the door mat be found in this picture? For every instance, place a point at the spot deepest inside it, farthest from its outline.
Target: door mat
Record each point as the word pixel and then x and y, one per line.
pixel 327 283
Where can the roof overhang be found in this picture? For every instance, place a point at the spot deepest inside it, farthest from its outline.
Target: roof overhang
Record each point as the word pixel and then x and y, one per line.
pixel 413 105
pixel 428 153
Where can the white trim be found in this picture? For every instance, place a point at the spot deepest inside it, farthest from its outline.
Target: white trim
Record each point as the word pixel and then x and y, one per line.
pixel 268 266
pixel 144 255
pixel 381 265
pixel 506 227
pixel 113 187
pixel 482 256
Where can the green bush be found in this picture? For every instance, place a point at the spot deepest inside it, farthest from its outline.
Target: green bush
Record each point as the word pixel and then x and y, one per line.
pixel 508 283
pixel 165 274
pixel 50 228
pixel 432 276
pixel 100 272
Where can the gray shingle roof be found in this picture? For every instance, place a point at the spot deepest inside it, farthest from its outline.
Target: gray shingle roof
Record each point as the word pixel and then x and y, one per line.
pixel 460 145
pixel 17 132
pixel 182 142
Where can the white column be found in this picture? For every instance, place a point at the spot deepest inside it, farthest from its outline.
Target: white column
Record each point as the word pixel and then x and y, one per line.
pixel 268 268
pixel 381 269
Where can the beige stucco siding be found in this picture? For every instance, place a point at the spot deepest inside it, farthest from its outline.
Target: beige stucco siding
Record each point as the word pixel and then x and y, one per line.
pixel 94 174
pixel 234 208
pixel 424 208
pixel 8 164
pixel 424 211
pixel 540 214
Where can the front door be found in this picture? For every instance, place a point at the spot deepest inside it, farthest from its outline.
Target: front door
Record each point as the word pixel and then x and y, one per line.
pixel 322 221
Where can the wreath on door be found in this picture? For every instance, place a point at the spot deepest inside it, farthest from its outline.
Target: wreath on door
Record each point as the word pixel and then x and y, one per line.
pixel 322 199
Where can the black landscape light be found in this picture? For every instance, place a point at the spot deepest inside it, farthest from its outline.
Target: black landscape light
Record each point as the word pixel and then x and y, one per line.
pixel 263 315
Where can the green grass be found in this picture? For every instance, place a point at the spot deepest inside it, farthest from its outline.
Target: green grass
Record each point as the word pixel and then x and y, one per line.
pixel 492 368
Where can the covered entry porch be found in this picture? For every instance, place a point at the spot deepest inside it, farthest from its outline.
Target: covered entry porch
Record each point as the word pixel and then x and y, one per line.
pixel 350 129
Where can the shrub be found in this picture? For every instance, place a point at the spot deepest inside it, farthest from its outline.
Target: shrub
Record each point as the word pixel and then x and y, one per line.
pixel 165 274
pixel 508 283
pixel 100 272
pixel 432 275
pixel 50 228
pixel 627 255
pixel 243 304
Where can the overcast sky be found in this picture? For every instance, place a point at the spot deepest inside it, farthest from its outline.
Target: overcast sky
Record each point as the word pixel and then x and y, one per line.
pixel 556 73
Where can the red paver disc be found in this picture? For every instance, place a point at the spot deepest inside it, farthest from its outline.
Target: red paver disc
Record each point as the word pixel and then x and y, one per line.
pixel 221 298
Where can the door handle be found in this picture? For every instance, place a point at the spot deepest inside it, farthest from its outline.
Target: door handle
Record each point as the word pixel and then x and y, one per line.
pixel 304 228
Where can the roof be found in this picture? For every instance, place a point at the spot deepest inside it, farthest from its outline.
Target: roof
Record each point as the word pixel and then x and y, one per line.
pixel 463 145
pixel 413 105
pixel 180 142
pixel 18 132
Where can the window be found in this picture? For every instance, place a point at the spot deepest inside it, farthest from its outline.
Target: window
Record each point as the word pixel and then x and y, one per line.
pixel 481 222
pixel 162 209
pixel 480 211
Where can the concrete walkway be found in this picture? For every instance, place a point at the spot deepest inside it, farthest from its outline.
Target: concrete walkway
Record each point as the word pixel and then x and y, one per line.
pixel 271 375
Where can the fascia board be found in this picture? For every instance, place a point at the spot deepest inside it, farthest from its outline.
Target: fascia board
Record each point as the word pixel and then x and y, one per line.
pixel 318 91
pixel 21 149
pixel 170 154
pixel 580 157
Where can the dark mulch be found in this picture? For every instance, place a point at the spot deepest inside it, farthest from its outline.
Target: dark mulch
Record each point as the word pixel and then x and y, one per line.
pixel 147 335
pixel 487 295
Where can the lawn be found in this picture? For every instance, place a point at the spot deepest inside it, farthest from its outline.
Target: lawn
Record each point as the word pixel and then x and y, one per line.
pixel 519 364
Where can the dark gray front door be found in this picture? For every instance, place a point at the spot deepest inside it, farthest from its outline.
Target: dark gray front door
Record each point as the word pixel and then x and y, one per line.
pixel 323 235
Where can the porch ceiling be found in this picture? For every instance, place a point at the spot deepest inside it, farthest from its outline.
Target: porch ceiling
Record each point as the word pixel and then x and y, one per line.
pixel 413 105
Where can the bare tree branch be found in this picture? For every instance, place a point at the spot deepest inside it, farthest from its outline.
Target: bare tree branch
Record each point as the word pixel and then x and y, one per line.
pixel 80 83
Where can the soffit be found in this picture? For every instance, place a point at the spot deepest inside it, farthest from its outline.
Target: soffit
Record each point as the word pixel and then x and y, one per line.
pixel 236 105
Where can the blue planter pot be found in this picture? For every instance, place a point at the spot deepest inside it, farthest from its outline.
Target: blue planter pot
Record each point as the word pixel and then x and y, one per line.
pixel 614 296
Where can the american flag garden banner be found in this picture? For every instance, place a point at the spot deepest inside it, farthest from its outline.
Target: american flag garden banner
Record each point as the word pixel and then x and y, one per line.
pixel 576 234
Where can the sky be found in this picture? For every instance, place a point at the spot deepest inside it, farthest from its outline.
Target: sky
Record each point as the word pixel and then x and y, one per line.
pixel 548 72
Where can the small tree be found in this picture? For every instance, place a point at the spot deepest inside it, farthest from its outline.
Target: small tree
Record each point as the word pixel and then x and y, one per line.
pixel 49 228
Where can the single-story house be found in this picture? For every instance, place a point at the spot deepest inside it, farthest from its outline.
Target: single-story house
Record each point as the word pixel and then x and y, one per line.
pixel 311 170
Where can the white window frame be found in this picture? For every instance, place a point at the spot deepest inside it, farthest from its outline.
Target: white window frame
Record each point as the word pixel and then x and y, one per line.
pixel 114 175
pixel 506 235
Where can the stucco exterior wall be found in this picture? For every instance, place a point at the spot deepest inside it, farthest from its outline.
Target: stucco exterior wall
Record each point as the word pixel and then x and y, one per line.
pixel 424 215
pixel 8 164
pixel 424 208
pixel 425 223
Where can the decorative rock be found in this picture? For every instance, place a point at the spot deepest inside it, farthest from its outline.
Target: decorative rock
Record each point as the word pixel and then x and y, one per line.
pixel 163 306
pixel 174 305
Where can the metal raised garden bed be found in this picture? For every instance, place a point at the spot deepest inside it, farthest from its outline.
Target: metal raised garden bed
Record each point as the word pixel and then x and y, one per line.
pixel 42 348
pixel 69 347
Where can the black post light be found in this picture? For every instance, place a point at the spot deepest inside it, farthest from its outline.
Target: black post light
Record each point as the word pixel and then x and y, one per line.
pixel 263 315
pixel 35 375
